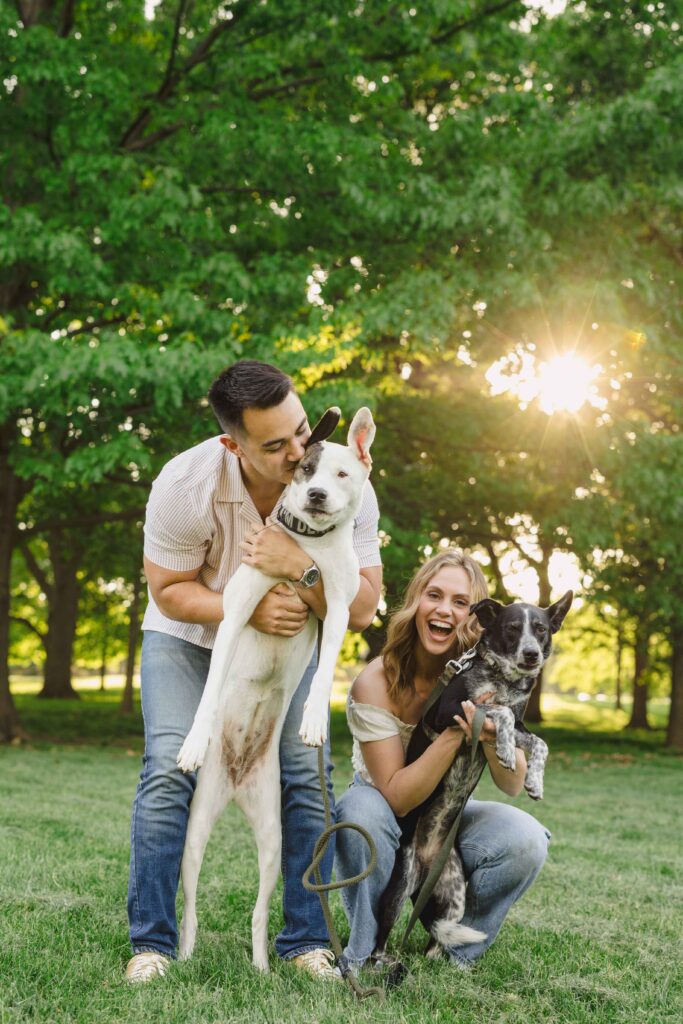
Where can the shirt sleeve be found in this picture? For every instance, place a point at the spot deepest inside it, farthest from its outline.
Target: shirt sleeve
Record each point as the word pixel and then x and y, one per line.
pixel 175 536
pixel 368 722
pixel 365 529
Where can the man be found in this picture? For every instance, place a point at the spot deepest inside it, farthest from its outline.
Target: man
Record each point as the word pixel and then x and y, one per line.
pixel 205 514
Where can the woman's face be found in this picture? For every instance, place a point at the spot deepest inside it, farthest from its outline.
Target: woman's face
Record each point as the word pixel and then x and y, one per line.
pixel 444 603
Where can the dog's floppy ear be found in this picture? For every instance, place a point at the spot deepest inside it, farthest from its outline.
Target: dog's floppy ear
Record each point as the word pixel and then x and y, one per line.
pixel 361 435
pixel 325 427
pixel 557 611
pixel 487 611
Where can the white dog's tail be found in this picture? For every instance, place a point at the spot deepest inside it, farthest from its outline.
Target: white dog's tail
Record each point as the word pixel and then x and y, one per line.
pixel 450 933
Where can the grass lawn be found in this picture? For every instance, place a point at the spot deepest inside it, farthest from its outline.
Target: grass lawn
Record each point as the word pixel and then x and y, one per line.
pixel 597 939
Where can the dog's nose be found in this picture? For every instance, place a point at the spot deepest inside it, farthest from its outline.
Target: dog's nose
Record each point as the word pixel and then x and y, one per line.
pixel 530 655
pixel 317 494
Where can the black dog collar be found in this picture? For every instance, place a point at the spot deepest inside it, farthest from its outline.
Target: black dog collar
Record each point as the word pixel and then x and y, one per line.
pixel 298 526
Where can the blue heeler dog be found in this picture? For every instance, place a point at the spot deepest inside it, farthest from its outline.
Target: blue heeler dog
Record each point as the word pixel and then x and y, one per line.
pixel 506 662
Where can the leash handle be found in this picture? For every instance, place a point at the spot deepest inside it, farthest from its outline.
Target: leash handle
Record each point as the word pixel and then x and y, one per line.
pixel 322 888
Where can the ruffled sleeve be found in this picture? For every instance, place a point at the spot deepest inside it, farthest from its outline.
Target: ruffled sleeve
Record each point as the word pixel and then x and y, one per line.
pixel 368 722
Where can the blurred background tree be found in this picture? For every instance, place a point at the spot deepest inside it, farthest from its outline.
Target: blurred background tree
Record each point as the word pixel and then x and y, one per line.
pixel 466 213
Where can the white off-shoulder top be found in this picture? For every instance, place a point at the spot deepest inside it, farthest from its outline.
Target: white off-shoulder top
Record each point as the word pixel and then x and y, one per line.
pixel 367 722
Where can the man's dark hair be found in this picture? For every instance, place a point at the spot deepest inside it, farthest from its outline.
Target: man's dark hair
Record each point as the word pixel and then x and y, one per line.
pixel 247 384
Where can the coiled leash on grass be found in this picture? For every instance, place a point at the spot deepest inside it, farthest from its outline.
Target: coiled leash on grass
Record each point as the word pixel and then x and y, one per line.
pixel 322 888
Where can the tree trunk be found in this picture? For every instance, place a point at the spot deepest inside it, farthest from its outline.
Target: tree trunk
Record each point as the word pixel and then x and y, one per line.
pixel 638 718
pixel 375 637
pixel 133 638
pixel 10 490
pixel 674 729
pixel 533 708
pixel 62 618
pixel 103 648
pixel 620 664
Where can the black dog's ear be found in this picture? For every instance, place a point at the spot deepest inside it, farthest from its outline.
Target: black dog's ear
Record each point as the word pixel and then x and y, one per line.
pixel 487 611
pixel 325 427
pixel 557 611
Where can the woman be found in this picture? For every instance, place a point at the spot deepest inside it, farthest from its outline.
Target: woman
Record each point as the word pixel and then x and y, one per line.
pixel 502 848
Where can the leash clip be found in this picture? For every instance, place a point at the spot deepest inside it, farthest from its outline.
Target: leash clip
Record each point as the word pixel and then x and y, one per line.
pixel 463 663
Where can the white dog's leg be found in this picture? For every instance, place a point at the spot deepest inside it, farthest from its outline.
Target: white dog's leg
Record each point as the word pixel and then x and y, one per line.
pixel 213 792
pixel 313 729
pixel 243 592
pixel 260 801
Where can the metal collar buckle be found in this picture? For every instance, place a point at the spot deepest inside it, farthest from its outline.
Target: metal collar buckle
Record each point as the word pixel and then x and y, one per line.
pixel 463 663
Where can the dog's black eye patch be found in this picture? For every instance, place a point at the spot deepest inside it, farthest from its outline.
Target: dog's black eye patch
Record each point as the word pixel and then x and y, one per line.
pixel 309 463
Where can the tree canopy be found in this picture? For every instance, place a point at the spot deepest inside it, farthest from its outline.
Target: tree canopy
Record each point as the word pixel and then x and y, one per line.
pixel 416 207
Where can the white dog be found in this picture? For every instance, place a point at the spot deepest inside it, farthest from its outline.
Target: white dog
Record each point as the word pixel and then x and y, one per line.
pixel 252 678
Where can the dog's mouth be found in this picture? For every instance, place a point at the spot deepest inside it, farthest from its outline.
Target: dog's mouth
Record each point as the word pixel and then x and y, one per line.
pixel 316 511
pixel 440 631
pixel 527 670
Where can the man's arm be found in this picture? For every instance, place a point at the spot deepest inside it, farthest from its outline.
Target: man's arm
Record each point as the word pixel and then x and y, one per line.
pixel 180 596
pixel 278 554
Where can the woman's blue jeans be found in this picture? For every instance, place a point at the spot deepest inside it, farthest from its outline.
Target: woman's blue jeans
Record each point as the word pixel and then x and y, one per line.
pixel 173 674
pixel 502 849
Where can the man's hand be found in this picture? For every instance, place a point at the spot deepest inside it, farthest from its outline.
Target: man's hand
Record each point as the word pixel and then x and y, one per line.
pixel 280 613
pixel 274 552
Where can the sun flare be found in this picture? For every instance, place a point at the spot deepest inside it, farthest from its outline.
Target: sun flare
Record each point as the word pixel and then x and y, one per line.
pixel 563 384
pixel 566 383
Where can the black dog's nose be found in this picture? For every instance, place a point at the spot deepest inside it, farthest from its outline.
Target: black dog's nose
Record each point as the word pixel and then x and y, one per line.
pixel 530 655
pixel 317 494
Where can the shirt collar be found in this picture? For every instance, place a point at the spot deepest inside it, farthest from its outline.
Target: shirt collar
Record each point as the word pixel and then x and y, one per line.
pixel 231 488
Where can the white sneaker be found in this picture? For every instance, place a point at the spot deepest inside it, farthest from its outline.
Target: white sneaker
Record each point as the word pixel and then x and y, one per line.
pixel 318 962
pixel 146 967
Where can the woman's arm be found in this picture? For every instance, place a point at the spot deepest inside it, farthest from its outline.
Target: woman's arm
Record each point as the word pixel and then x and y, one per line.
pixel 402 786
pixel 406 786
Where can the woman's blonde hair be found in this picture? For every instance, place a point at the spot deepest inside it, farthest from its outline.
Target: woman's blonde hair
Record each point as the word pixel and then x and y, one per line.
pixel 398 653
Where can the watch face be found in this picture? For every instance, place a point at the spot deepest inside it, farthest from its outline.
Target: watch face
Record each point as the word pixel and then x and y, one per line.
pixel 310 577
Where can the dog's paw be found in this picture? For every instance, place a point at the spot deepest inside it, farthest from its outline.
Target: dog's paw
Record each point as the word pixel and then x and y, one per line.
pixel 193 751
pixel 313 729
pixel 506 757
pixel 534 788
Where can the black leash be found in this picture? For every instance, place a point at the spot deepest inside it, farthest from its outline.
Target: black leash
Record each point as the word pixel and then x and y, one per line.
pixel 452 669
pixel 447 845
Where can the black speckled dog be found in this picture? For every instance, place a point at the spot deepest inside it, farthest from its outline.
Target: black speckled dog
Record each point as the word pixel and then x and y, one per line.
pixel 516 642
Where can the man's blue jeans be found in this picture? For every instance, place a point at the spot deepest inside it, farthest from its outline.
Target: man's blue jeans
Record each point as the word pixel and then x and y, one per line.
pixel 173 674
pixel 502 849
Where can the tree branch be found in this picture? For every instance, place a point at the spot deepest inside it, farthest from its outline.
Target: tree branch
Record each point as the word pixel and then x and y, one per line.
pixel 35 570
pixel 29 625
pixel 131 138
pixel 180 14
pixel 296 83
pixel 67 18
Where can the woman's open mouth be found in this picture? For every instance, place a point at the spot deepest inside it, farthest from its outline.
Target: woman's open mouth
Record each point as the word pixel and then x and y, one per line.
pixel 440 631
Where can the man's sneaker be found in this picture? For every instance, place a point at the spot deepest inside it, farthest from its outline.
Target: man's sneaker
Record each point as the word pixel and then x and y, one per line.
pixel 146 967
pixel 318 962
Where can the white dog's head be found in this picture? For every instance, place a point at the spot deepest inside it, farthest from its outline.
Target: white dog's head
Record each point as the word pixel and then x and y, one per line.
pixel 327 484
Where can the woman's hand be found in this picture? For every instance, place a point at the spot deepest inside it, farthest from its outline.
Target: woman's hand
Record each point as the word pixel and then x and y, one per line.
pixel 488 730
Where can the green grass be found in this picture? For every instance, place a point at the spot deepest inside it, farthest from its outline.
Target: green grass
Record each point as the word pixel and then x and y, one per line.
pixel 597 939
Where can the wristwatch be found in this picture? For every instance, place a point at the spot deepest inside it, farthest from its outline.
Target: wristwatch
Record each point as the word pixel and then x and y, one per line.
pixel 309 577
